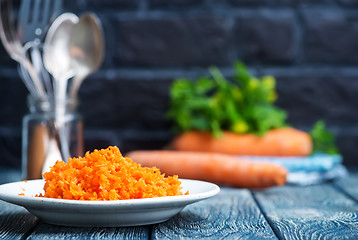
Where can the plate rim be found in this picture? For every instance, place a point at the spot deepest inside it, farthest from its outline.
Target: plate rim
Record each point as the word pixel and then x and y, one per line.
pixel 117 213
pixel 108 203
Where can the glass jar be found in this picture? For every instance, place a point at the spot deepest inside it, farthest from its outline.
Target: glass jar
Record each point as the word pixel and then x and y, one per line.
pixel 46 137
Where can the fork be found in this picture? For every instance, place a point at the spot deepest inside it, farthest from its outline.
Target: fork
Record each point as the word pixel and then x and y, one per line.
pixel 34 17
pixel 11 43
pixel 13 46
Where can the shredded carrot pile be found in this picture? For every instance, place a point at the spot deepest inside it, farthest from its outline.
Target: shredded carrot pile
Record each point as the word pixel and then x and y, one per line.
pixel 107 175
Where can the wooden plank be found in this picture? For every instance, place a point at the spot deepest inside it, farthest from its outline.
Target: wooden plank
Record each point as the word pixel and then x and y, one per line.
pixel 48 231
pixel 349 184
pixel 311 212
pixel 232 214
pixel 15 222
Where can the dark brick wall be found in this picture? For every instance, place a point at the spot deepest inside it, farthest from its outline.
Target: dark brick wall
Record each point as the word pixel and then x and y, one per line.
pixel 310 46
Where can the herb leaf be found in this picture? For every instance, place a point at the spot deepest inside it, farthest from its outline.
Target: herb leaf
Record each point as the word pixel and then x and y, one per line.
pixel 323 139
pixel 243 105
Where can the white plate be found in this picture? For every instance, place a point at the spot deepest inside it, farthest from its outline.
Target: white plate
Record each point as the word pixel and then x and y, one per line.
pixel 104 213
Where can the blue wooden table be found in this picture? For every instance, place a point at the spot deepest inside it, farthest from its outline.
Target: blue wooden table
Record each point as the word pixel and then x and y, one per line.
pixel 324 211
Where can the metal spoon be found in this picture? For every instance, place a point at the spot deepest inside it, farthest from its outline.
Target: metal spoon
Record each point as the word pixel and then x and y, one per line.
pixel 56 56
pixel 57 62
pixel 86 47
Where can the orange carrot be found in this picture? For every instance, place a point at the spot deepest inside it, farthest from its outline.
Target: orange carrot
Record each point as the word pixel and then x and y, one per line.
pixel 277 142
pixel 213 167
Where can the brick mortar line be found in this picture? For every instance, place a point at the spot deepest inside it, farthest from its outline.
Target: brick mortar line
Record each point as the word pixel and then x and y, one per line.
pixel 147 13
pixel 149 74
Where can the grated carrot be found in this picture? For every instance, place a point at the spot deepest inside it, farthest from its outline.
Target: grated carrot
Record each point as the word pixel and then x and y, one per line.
pixel 107 175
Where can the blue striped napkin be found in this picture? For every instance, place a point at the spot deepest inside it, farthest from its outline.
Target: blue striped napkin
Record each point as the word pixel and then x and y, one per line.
pixel 309 170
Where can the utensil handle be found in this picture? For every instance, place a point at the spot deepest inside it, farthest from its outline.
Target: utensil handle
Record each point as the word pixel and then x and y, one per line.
pixel 60 114
pixel 76 83
pixel 25 62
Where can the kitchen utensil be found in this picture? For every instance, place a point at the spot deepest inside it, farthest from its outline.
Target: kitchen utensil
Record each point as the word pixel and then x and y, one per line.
pixel 31 54
pixel 57 62
pixel 14 48
pixel 34 17
pixel 8 34
pixel 56 56
pixel 25 75
pixel 86 49
pixel 52 155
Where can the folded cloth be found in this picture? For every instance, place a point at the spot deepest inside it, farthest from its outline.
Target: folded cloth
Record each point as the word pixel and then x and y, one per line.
pixel 313 169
